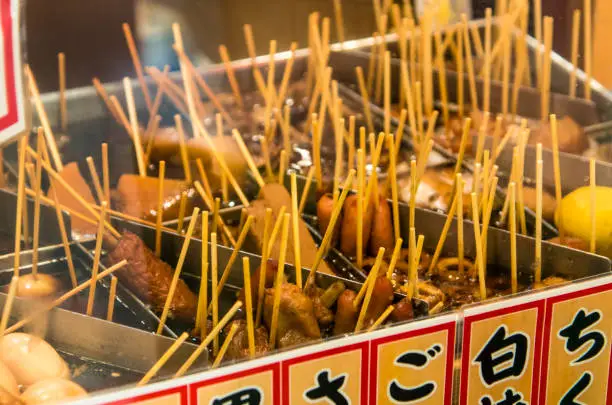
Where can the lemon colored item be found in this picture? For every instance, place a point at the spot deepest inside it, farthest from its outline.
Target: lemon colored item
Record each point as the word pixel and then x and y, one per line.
pixel 576 216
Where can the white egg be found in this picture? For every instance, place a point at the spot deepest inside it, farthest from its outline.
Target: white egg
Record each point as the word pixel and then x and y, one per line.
pixel 31 359
pixel 51 390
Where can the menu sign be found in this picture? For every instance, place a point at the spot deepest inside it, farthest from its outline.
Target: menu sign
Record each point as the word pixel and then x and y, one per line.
pixel 12 115
pixel 501 352
pixel 414 365
pixel 577 355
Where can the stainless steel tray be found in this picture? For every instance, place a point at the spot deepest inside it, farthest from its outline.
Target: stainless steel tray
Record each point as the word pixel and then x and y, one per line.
pixel 103 355
pixel 129 310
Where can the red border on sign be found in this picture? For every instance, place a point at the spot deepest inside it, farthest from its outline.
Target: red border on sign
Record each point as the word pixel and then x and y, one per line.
pixel 182 390
pixel 274 367
pixel 547 326
pixel 363 346
pixel 537 346
pixel 450 355
pixel 9 80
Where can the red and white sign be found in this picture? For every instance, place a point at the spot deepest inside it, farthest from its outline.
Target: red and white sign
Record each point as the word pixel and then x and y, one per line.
pixel 12 115
pixel 536 348
pixel 577 354
pixel 501 352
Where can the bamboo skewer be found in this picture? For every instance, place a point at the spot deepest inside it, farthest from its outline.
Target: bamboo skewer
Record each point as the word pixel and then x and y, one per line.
pixel 122 117
pixel 368 294
pixel 295 220
pixel 137 65
pixel 105 173
pixel 8 304
pixel 387 92
pixel 486 103
pixel 183 148
pixel 262 269
pixel 383 317
pixel 360 205
pixel 306 189
pixel 506 64
pixel 61 63
pixel 593 206
pixel 415 264
pixel 538 226
pixel 95 179
pixel 65 242
pixel 246 272
pixel 469 64
pixel 460 74
pixel 160 207
pixel 460 240
pixel 60 300
pixel 23 142
pixel 225 346
pixel 70 190
pixel 127 86
pixel 214 275
pixel 332 224
pixel 445 228
pixel 244 232
pixel 397 249
pixel 201 314
pixel 479 254
pixel 163 359
pixel 546 68
pixel 394 191
pixel 278 281
pixel 442 77
pixel 38 190
pixel 96 262
pixel 177 270
pixel 276 229
pixel 365 97
pixel 339 20
pixel 588 44
pixel 574 52
pixel 104 96
pixel 513 270
pixel 410 101
pixel 44 119
pixel 209 338
pixel 248 157
pixel 557 175
pixel 231 76
pixel 110 310
pixel 537 23
pixel 282 168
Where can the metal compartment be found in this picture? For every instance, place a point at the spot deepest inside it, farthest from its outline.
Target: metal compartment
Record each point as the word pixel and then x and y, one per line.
pixel 101 354
pixel 129 310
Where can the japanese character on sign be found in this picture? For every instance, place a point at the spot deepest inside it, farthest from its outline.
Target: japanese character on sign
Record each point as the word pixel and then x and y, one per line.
pixel 328 389
pixel 495 354
pixel 575 390
pixel 244 396
pixel 415 359
pixel 511 397
pixel 574 338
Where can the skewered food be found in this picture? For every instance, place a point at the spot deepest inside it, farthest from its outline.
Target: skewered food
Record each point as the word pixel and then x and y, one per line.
pixel 150 278
pixel 72 175
pixel 576 213
pixel 137 196
pixel 52 390
pixel 348 230
pixel 8 383
pixel 239 346
pixel 346 314
pixel 297 322
pixel 37 286
pixel 275 196
pixel 30 359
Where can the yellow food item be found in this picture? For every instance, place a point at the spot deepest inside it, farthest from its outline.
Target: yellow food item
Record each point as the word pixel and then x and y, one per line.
pixel 575 212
